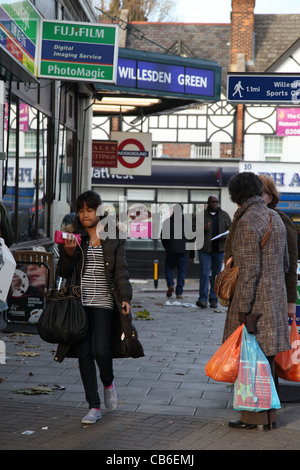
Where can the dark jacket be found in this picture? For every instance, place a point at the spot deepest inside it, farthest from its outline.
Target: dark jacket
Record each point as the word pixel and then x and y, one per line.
pixel 224 225
pixel 292 241
pixel 173 239
pixel 117 276
pixel 6 231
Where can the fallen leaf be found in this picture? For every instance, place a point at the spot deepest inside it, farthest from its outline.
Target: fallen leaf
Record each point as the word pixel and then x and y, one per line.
pixel 35 391
pixel 27 354
pixel 143 315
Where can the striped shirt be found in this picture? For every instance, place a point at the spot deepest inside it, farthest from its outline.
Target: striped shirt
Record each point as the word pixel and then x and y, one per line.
pixel 95 289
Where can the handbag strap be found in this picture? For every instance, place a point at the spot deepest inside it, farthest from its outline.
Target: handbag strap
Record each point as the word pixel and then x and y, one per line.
pixel 74 280
pixel 266 236
pixel 74 275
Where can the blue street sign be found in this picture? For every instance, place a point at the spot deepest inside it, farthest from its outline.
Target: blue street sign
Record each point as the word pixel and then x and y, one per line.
pixel 274 88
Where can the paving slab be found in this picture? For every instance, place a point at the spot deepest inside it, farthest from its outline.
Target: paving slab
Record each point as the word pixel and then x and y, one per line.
pixel 165 400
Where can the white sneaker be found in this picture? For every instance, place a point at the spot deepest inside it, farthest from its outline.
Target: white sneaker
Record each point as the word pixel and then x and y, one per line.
pixel 93 415
pixel 110 397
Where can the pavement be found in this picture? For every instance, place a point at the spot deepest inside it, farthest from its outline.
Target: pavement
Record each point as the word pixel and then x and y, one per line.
pixel 167 407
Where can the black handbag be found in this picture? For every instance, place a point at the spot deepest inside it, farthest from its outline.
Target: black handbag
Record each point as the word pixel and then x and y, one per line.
pixel 64 320
pixel 130 344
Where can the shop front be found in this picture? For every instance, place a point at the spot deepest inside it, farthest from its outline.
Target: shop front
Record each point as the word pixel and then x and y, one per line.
pixel 34 172
pixel 287 180
pixel 149 199
pixel 44 123
pixel 39 142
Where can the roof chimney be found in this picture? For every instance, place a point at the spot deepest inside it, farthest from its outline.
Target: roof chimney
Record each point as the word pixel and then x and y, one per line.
pixel 242 34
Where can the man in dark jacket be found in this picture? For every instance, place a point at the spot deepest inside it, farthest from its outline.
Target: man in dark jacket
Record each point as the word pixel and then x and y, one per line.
pixel 211 255
pixel 174 242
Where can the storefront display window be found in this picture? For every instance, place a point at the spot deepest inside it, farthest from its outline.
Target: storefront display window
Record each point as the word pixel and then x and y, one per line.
pixel 24 170
pixel 146 209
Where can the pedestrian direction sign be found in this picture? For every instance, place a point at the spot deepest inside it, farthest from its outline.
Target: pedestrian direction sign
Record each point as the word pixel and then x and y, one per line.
pixel 263 88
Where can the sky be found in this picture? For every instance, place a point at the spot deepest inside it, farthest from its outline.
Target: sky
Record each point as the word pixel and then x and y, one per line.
pixel 218 11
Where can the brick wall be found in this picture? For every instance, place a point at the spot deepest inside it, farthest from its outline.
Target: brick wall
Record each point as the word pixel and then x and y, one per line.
pixel 177 150
pixel 242 28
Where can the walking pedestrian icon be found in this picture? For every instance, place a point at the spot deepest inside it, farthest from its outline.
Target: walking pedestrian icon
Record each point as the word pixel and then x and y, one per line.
pixel 237 89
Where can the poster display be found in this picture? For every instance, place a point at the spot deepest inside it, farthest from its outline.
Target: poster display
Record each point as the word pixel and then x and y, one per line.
pixel 27 298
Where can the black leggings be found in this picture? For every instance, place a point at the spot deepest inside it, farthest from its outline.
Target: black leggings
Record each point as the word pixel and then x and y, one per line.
pixel 96 347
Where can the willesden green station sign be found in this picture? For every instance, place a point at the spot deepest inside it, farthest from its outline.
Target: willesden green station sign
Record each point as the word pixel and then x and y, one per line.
pixel 78 51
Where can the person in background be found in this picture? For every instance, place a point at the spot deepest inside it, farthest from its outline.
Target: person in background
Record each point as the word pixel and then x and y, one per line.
pixel 259 301
pixel 6 232
pixel 174 242
pixel 106 294
pixel 271 198
pixel 211 255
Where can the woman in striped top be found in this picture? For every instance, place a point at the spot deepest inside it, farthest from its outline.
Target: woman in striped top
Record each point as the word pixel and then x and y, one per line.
pixel 105 286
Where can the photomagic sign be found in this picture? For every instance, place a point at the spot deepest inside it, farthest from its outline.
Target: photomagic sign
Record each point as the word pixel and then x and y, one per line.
pixel 262 88
pixel 79 51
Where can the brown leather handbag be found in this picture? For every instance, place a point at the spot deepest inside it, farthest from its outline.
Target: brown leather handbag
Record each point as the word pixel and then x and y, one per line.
pixel 226 280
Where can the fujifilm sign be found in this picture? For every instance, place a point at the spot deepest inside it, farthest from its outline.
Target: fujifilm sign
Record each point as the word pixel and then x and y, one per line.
pixel 78 51
pixel 76 31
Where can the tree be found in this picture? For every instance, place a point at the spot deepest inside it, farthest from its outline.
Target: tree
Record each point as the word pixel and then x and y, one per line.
pixel 140 10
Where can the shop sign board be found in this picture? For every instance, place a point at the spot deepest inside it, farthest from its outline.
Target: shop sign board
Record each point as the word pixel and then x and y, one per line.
pixel 166 75
pixel 19 32
pixel 134 153
pixel 263 88
pixel 168 78
pixel 78 51
pixel 288 122
pixel 286 176
pixel 104 154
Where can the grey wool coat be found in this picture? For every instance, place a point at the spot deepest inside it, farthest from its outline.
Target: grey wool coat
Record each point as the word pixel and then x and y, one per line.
pixel 260 288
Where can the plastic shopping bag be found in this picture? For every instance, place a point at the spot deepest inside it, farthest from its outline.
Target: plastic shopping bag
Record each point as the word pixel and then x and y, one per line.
pixel 224 364
pixel 254 389
pixel 287 363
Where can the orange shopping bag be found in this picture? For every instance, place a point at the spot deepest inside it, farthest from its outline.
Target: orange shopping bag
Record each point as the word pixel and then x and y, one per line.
pixel 287 363
pixel 224 364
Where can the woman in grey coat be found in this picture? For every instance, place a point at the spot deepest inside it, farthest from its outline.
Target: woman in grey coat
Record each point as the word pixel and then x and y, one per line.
pixel 260 300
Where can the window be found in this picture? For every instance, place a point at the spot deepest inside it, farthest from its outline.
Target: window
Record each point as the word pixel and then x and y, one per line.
pixel 157 150
pixel 24 194
pixel 272 148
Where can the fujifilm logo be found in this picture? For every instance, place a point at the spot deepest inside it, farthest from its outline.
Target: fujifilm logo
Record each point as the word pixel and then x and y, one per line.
pixel 78 31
